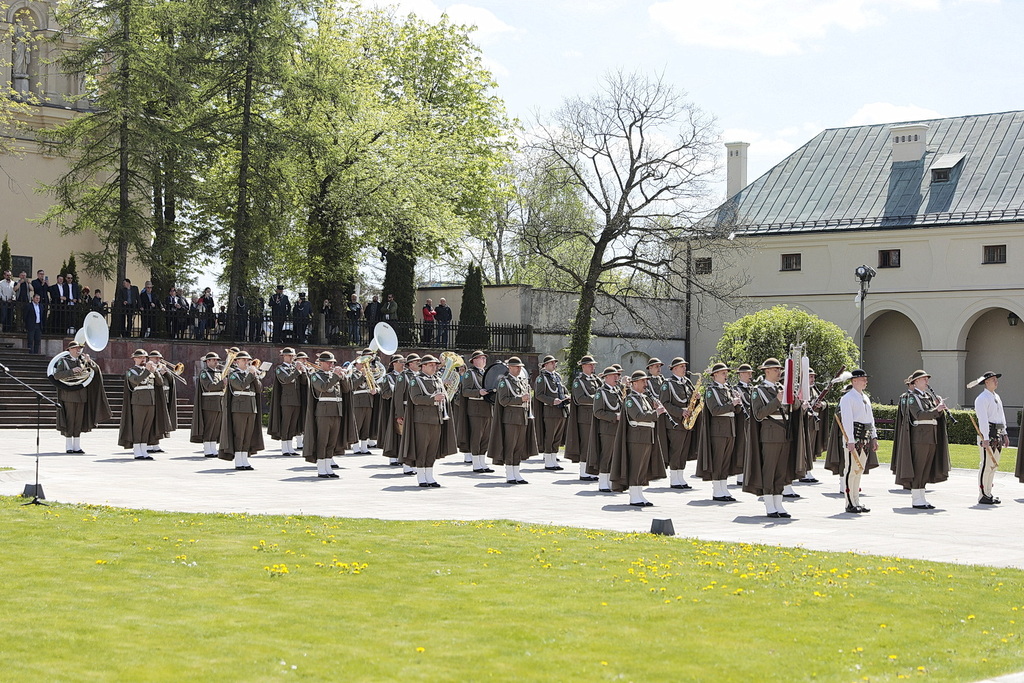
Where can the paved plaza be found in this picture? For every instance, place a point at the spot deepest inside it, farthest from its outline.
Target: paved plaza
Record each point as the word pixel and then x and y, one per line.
pixel 181 479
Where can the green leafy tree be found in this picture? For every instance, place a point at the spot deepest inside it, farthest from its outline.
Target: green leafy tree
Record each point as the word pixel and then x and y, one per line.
pixel 5 255
pixel 769 333
pixel 472 332
pixel 72 267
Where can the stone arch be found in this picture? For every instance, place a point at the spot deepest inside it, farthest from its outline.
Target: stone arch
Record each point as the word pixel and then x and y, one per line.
pixel 967 319
pixel 892 350
pixel 992 344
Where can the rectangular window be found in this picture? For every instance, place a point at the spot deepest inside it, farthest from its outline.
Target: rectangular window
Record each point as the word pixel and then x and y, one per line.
pixel 888 258
pixel 994 253
pixel 702 266
pixel 940 175
pixel 22 263
pixel 790 262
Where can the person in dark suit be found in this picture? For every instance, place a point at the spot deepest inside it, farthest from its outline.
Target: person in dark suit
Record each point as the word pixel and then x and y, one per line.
pixel 35 319
pixel 41 286
pixel 149 305
pixel 57 295
pixel 74 294
pixel 301 314
pixel 128 302
pixel 280 307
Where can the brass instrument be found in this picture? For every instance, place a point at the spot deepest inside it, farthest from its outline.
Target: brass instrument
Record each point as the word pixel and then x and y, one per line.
pixel 177 370
pixel 368 367
pixel 450 375
pixel 229 361
pixel 696 404
pixel 94 334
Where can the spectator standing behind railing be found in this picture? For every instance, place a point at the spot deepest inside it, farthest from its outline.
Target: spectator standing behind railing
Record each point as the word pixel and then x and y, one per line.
pixel 302 312
pixel 97 304
pixel 280 307
pixel 240 311
pixel 207 306
pixel 72 319
pixel 128 300
pixel 354 311
pixel 372 313
pixel 7 302
pixel 35 319
pixel 149 305
pixel 389 311
pixel 177 312
pixel 330 318
pixel 57 306
pixel 443 316
pixel 256 312
pixel 428 323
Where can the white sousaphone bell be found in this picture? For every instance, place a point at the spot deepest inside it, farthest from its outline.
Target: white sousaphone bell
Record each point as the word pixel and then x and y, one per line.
pixel 94 334
pixel 385 339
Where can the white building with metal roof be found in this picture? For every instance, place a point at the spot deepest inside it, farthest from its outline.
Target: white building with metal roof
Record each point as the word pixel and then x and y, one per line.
pixel 935 207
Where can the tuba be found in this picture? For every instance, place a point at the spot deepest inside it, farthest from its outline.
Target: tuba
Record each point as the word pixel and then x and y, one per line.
pixel 94 334
pixel 450 375
pixel 385 339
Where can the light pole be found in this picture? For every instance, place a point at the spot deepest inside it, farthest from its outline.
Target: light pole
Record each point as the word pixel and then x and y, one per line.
pixel 863 274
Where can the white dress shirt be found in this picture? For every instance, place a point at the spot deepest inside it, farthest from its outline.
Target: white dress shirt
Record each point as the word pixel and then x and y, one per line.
pixel 989 408
pixel 855 407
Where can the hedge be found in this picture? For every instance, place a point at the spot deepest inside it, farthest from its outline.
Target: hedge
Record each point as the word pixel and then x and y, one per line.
pixel 962 432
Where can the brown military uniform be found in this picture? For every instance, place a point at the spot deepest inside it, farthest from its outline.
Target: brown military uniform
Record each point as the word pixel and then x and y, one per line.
pixel 362 407
pixel 551 418
pixel 286 404
pixel 581 414
pixel 607 406
pixel 773 465
pixel 144 417
pixel 241 412
pixel 475 426
pixel 73 401
pixel 326 418
pixel 675 395
pixel 206 418
pixel 636 459
pixel 513 435
pixel 428 436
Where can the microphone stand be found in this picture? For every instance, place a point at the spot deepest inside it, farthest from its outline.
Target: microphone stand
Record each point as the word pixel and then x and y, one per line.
pixel 40 397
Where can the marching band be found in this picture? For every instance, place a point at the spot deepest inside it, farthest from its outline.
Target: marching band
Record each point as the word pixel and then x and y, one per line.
pixel 624 432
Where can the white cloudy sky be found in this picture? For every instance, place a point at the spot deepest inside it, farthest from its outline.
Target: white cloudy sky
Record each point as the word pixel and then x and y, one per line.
pixel 773 72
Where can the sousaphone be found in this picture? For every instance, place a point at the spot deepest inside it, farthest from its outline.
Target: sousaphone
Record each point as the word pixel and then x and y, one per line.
pixel 93 334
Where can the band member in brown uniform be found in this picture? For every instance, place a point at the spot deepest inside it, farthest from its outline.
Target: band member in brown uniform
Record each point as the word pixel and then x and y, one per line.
pixel 920 445
pixel 302 362
pixel 287 403
pixel 745 388
pixel 636 456
pixel 362 409
pixel 429 434
pixel 474 424
pixel 400 401
pixel 679 443
pixel 654 377
pixel 513 435
pixel 607 406
pixel 209 396
pixel 390 438
pixel 143 417
pixel 241 430
pixel 718 457
pixel 81 407
pixel 581 413
pixel 326 418
pixel 170 396
pixel 771 459
pixel 550 409
pixel 816 434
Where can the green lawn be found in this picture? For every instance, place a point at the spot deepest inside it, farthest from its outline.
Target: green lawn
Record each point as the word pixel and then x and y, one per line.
pixel 960 455
pixel 96 593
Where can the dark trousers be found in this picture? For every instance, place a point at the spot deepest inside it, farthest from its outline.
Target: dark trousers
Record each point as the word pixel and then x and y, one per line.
pixel 35 338
pixel 7 315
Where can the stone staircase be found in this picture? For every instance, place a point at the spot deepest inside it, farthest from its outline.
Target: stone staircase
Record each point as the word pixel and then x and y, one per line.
pixel 18 405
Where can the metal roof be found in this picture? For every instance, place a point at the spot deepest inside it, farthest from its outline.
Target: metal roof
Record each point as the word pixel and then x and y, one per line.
pixel 845 179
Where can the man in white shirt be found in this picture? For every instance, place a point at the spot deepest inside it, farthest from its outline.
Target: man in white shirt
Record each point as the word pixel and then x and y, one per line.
pixel 6 302
pixel 993 438
pixel 859 428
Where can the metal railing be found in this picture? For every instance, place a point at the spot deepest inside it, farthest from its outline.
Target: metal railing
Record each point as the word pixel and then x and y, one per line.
pixel 267 327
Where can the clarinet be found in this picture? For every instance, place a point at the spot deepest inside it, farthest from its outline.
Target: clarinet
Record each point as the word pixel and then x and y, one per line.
pixel 938 399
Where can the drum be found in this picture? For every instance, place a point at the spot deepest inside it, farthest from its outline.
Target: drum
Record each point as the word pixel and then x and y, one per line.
pixel 495 371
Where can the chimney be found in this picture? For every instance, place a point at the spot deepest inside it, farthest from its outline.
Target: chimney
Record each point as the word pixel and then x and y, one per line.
pixel 908 141
pixel 736 168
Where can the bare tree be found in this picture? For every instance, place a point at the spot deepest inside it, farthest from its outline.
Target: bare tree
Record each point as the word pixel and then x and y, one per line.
pixel 639 157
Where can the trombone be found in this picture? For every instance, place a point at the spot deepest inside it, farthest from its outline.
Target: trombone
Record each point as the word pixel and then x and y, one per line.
pixel 177 370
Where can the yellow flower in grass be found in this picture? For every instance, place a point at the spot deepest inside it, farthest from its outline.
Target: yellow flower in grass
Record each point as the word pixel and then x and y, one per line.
pixel 421 649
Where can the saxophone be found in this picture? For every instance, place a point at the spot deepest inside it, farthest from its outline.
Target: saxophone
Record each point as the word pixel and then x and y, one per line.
pixel 696 404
